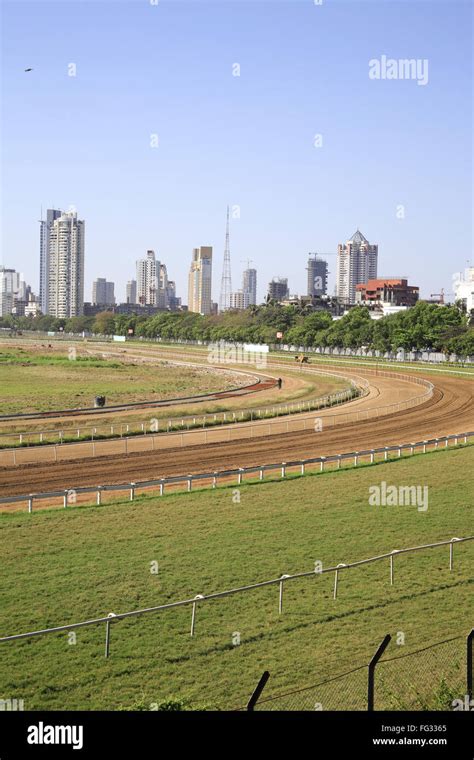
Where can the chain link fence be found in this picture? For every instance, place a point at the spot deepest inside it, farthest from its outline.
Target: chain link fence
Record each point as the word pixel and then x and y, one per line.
pixel 436 677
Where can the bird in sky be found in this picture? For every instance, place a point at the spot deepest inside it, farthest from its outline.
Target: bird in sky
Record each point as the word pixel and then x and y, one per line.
pixel 28 69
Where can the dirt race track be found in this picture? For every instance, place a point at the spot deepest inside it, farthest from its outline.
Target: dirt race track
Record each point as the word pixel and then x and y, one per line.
pixel 449 410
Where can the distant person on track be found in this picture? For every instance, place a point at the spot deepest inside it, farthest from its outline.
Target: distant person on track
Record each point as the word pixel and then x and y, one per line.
pixel 280 383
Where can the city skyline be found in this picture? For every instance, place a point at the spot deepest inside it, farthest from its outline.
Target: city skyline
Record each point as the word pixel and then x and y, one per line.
pixel 290 175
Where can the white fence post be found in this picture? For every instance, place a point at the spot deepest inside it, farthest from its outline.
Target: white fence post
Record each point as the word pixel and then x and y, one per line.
pixel 336 578
pixel 107 633
pixel 394 551
pixel 30 503
pixel 193 615
pixel 280 598
pixel 451 552
pixel 132 491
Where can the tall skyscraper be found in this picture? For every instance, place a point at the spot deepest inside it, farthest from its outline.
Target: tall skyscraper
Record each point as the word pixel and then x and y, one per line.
pixel 356 264
pixel 103 292
pixel 200 281
pixel 131 291
pixel 45 228
pixel 317 275
pixel 163 293
pixel 148 284
pixel 66 266
pixel 249 285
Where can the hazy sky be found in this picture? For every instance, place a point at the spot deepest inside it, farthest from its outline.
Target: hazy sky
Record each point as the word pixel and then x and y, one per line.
pixel 249 140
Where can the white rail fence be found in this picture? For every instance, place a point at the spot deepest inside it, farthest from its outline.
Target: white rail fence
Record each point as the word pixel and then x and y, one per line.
pixel 193 602
pixel 200 435
pixel 183 422
pixel 69 495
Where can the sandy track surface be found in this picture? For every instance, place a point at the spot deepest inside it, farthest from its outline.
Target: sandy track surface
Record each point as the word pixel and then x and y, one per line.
pixel 449 410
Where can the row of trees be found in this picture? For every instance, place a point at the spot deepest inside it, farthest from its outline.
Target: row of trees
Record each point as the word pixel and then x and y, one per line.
pixel 425 326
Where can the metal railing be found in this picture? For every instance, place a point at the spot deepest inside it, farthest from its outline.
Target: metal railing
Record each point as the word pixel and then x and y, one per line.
pixel 69 495
pixel 193 602
pixel 240 430
pixel 181 423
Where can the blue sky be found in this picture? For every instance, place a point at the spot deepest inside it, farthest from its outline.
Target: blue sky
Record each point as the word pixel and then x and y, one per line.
pixel 167 69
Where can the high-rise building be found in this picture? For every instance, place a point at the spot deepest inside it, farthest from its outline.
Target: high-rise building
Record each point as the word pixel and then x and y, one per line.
pixel 356 265
pixel 45 228
pixel 317 275
pixel 131 292
pixel 163 290
pixel 148 284
pixel 239 299
pixel 9 285
pixel 200 281
pixel 278 289
pixel 103 292
pixel 249 285
pixel 66 266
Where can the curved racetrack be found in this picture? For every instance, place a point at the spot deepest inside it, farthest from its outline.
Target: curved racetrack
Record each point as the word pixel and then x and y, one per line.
pixel 449 410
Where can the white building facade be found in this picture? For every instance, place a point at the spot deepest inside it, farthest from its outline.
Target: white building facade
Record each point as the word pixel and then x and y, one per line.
pixel 463 287
pixel 356 264
pixel 66 266
pixel 148 285
pixel 45 229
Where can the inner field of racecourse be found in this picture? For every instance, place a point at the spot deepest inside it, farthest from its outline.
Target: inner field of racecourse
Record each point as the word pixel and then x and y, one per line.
pixel 396 409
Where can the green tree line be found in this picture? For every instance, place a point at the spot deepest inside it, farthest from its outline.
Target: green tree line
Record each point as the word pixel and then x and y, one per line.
pixel 425 326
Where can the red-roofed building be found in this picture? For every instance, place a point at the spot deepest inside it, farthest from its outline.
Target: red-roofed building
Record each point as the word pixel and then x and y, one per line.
pixel 394 292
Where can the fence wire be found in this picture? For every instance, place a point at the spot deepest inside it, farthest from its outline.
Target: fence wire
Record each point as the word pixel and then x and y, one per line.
pixel 347 691
pixel 428 679
pixel 432 678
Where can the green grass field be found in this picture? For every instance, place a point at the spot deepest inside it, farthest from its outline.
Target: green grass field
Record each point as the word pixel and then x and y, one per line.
pixel 61 567
pixel 32 380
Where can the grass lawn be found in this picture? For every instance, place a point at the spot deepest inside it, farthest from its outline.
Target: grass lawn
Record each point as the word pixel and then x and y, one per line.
pixel 33 380
pixel 67 566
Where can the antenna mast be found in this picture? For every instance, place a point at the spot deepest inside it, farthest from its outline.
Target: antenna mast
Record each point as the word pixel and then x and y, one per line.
pixel 226 282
